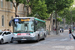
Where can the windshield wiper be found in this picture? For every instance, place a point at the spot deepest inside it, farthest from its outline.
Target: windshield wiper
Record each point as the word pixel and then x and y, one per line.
pixel 17 31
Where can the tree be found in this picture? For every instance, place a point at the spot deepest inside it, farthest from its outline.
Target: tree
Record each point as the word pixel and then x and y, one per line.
pixel 70 18
pixel 58 5
pixel 15 4
pixel 69 15
pixel 73 14
pixel 63 14
pixel 59 19
pixel 39 9
pixel 24 2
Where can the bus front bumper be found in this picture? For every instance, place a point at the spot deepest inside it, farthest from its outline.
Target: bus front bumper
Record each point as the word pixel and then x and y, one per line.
pixel 24 38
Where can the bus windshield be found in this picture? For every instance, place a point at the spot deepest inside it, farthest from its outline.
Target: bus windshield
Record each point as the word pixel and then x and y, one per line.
pixel 25 26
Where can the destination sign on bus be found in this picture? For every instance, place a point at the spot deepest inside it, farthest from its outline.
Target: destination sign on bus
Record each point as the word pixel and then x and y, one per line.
pixel 25 19
pixel 16 20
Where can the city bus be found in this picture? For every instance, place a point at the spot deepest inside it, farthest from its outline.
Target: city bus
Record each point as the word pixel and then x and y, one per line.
pixel 28 28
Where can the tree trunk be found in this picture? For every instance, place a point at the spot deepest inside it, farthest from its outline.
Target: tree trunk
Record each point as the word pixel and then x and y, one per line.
pixel 27 8
pixel 71 21
pixel 50 23
pixel 64 22
pixel 56 23
pixel 24 10
pixel 15 11
pixel 27 11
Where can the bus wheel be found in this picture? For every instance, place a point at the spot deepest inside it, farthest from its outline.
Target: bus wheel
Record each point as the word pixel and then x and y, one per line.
pixel 44 37
pixel 38 38
pixel 19 41
pixel 11 40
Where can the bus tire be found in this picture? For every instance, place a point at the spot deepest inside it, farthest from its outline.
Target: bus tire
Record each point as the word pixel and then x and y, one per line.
pixel 44 37
pixel 11 40
pixel 19 41
pixel 38 38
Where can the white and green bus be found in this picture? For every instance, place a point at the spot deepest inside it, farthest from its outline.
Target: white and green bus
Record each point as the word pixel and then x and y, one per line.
pixel 28 28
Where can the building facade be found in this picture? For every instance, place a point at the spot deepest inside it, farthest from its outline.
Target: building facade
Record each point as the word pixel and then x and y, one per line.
pixel 7 12
pixel 49 24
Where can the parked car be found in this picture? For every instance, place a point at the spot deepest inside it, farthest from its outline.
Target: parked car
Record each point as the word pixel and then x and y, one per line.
pixel 6 36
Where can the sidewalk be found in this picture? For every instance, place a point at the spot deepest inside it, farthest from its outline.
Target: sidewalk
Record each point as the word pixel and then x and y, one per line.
pixel 53 33
pixel 64 34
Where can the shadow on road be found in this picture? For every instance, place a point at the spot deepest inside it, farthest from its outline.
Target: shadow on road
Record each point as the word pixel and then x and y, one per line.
pixel 27 42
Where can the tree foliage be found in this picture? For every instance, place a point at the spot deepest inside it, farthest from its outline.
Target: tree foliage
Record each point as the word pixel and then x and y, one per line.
pixel 39 9
pixel 15 4
pixel 59 19
pixel 65 14
pixel 57 6
pixel 68 14
pixel 73 14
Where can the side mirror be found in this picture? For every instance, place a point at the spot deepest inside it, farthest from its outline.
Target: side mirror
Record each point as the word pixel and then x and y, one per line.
pixel 10 23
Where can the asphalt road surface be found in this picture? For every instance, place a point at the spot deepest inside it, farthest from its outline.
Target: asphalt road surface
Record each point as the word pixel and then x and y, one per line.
pixel 52 42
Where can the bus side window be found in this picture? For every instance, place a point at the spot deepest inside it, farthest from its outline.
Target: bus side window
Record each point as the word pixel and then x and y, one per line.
pixel 36 22
pixel 25 24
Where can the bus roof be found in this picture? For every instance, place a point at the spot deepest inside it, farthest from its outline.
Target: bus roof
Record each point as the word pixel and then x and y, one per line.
pixel 23 17
pixel 39 20
pixel 30 17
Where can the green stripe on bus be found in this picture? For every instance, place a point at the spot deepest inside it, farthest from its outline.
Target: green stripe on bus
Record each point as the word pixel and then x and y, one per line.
pixel 39 20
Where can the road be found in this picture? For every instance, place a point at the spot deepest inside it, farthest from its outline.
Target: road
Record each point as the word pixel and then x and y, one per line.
pixel 52 42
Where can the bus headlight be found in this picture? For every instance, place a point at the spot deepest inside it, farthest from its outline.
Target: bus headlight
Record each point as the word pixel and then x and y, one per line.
pixel 15 35
pixel 32 35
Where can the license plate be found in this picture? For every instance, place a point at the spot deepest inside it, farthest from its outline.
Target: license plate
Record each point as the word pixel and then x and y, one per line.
pixel 23 34
pixel 23 39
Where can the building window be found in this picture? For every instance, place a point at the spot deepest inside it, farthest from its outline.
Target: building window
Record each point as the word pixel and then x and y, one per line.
pixel 18 8
pixel 2 20
pixel 11 5
pixel 1 3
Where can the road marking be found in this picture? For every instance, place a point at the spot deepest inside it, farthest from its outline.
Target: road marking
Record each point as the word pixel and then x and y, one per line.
pixel 64 39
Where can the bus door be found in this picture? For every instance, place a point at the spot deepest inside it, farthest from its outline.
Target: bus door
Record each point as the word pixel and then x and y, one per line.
pixel 41 32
